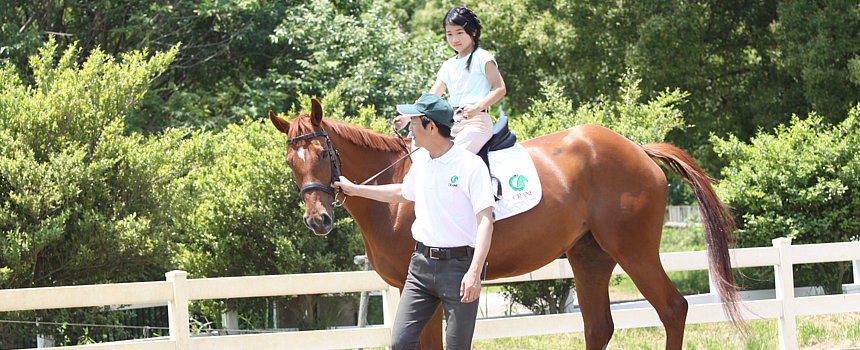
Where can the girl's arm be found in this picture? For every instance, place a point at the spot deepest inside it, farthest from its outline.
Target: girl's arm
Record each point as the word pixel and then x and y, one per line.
pixel 438 88
pixel 495 94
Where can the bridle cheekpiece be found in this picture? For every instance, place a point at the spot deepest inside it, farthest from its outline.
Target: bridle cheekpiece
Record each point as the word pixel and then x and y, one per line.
pixel 336 164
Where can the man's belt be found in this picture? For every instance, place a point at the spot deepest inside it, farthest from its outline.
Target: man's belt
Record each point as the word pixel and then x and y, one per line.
pixel 444 253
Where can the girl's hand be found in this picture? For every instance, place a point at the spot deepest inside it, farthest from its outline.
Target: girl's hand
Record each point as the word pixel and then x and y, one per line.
pixel 400 122
pixel 470 110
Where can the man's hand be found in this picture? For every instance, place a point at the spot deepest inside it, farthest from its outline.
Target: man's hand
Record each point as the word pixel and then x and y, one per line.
pixel 470 287
pixel 345 185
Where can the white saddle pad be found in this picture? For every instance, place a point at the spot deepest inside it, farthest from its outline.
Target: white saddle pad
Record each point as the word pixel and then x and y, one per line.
pixel 521 189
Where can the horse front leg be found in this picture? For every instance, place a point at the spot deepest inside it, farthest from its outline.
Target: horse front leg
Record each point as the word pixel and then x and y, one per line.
pixel 592 271
pixel 431 337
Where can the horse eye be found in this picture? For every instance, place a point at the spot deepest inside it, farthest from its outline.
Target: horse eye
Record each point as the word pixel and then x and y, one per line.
pixel 324 154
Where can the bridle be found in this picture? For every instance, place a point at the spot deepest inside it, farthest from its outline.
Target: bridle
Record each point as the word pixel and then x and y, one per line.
pixel 336 164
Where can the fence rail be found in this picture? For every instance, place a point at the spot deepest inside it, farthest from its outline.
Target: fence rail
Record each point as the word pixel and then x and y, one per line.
pixel 178 290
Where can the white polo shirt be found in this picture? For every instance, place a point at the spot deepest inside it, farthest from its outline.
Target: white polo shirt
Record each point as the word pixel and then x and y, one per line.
pixel 448 192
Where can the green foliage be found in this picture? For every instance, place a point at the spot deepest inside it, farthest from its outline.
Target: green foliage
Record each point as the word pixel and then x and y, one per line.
pixel 798 182
pixel 747 65
pixel 641 123
pixel 818 44
pixel 541 297
pixel 80 202
pixel 577 45
pixel 367 56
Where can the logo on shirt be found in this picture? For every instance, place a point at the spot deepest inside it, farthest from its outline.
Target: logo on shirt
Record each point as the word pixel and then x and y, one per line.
pixel 518 182
pixel 453 182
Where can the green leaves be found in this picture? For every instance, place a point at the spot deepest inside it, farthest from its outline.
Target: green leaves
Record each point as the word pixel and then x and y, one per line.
pixel 799 182
pixel 639 122
pixel 77 196
pixel 366 56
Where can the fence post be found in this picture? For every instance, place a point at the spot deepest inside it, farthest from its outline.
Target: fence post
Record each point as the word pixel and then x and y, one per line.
pixel 784 283
pixel 390 300
pixel 855 265
pixel 177 310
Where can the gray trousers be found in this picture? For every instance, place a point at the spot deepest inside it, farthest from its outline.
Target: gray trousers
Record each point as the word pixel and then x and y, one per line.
pixel 429 283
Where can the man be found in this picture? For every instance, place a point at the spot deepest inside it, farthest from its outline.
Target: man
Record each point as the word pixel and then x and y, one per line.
pixel 453 227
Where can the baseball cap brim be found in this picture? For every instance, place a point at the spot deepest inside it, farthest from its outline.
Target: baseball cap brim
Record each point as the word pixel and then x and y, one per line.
pixel 408 110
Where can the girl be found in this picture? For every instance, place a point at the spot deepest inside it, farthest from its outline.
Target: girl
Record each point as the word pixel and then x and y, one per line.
pixel 472 79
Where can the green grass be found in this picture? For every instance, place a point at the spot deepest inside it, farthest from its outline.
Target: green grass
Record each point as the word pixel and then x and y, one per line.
pixel 819 332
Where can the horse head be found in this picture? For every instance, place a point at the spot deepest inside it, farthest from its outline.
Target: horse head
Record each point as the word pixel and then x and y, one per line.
pixel 314 163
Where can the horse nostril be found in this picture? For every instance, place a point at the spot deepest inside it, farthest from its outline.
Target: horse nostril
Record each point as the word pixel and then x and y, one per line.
pixel 326 220
pixel 307 224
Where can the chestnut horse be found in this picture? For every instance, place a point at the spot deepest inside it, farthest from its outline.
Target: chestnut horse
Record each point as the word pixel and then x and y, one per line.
pixel 604 200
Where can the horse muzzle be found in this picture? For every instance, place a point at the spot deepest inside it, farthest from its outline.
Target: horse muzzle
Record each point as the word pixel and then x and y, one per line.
pixel 321 224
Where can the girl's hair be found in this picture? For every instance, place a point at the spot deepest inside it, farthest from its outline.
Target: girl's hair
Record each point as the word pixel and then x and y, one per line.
pixel 461 16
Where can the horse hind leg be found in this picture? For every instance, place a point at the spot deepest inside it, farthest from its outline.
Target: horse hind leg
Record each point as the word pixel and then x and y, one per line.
pixel 647 273
pixel 592 271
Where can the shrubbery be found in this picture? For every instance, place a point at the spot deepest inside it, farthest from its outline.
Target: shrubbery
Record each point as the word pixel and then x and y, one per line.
pixel 801 182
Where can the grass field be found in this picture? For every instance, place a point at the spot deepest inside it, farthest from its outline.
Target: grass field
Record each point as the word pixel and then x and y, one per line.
pixel 819 332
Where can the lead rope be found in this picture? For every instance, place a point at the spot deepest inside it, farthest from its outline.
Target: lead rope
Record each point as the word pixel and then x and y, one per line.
pixel 388 167
pixel 405 148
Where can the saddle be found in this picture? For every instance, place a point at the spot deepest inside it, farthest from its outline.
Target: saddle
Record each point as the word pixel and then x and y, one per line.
pixel 502 138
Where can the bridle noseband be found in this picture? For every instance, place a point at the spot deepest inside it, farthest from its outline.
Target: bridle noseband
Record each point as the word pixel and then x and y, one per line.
pixel 336 164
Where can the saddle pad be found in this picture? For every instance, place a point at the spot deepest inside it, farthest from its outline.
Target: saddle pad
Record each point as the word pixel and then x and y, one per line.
pixel 521 189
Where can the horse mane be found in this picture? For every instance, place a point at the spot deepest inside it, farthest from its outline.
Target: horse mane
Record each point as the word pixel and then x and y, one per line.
pixel 360 136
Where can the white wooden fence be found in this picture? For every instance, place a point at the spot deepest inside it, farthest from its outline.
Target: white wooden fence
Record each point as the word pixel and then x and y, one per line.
pixel 178 290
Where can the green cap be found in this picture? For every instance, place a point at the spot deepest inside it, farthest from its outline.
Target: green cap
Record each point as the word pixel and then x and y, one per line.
pixel 432 106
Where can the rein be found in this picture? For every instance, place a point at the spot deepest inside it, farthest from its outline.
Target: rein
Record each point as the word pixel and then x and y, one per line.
pixel 335 169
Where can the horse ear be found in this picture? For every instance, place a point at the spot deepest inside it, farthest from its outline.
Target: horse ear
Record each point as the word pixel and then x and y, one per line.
pixel 316 112
pixel 279 123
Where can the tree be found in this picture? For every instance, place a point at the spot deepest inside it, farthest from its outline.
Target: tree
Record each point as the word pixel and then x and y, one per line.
pixel 818 41
pixel 798 182
pixel 366 56
pixel 225 48
pixel 640 122
pixel 80 200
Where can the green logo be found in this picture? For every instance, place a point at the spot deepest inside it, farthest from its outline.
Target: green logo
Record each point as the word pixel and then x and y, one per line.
pixel 454 179
pixel 518 182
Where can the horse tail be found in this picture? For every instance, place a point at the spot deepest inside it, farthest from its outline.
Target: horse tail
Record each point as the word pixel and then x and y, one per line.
pixel 718 223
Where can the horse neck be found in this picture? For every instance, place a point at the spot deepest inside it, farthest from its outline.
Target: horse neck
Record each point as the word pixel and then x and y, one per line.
pixel 377 220
pixel 362 162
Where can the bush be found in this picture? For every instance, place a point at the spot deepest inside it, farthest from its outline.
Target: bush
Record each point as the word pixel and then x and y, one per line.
pixel 800 182
pixel 79 199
